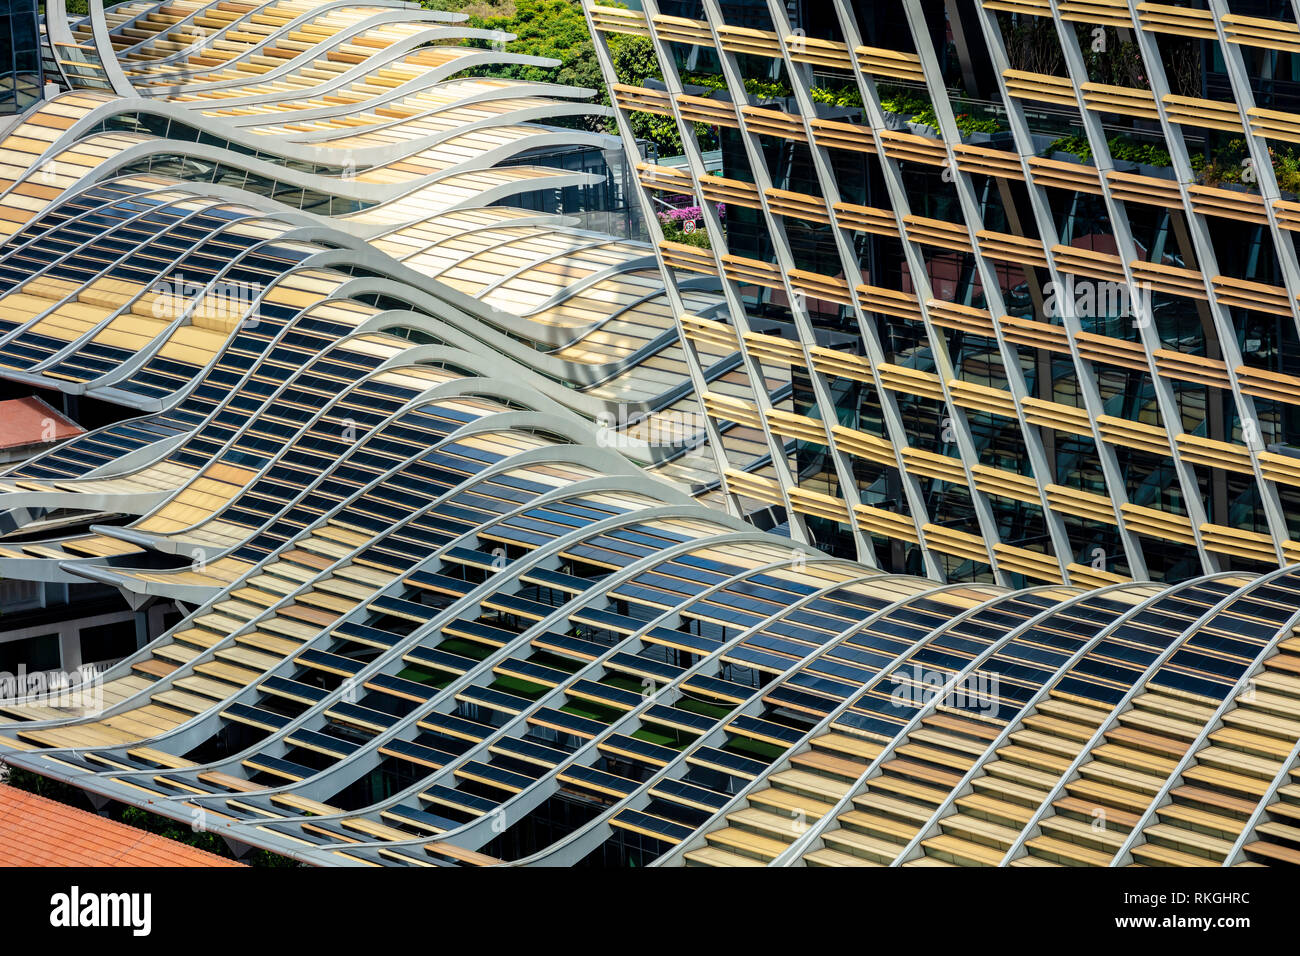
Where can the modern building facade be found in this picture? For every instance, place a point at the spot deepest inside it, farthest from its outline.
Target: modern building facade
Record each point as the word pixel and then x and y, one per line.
pixel 20 56
pixel 491 537
pixel 1028 270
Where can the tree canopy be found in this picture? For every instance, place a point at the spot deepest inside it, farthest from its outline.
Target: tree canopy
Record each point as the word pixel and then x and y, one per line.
pixel 557 29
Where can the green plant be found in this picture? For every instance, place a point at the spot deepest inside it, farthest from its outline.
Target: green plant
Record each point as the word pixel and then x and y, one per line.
pixel 673 232
pixel 1075 145
pixel 904 103
pixel 1286 167
pixel 973 124
pixel 927 117
pixel 1121 148
pixel 1227 164
pixel 917 109
pixel 1148 154
pixel 836 96
pixel 546 28
pixel 762 89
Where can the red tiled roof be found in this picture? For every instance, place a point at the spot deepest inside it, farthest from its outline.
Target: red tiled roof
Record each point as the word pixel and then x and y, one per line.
pixel 35 831
pixel 23 421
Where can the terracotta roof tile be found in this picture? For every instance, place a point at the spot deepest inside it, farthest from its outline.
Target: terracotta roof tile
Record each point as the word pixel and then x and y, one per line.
pixel 29 421
pixel 35 831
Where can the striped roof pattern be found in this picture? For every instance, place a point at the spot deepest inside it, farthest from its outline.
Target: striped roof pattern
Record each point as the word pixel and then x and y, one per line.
pixel 407 170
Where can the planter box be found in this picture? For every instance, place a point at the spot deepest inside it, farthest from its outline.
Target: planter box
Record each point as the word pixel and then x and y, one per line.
pixel 1157 172
pixel 1063 157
